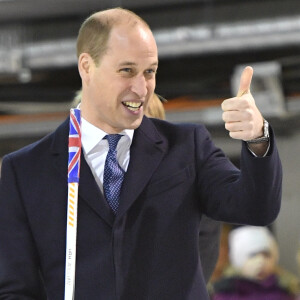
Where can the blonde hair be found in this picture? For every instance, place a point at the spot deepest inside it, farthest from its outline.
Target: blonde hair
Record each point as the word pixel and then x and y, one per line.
pixel 155 108
pixel 95 30
pixel 77 99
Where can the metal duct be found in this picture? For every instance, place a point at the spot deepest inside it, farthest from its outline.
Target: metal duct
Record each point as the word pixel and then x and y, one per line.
pixel 172 42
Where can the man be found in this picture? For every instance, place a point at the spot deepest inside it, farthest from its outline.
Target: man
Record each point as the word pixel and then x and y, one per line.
pixel 142 243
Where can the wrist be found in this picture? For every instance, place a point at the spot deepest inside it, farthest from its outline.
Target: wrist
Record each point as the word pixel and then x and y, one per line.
pixel 264 138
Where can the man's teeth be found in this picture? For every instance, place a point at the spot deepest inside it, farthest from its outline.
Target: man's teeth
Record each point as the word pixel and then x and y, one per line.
pixel 133 105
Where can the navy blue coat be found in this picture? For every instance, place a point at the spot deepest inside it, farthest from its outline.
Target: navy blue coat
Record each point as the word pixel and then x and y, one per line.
pixel 150 250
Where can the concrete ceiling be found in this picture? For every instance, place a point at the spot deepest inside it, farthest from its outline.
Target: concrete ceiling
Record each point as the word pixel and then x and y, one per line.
pixel 37 38
pixel 24 10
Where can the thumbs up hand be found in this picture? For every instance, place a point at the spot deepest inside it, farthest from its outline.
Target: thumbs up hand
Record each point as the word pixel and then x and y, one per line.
pixel 242 118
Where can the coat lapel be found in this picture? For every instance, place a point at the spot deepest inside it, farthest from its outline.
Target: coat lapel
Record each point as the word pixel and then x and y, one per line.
pixel 91 194
pixel 88 188
pixel 146 152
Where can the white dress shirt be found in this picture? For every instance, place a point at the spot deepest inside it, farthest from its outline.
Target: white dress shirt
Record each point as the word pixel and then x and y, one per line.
pixel 95 149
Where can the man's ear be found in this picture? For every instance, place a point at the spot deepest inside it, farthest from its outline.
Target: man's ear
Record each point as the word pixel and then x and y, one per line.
pixel 85 64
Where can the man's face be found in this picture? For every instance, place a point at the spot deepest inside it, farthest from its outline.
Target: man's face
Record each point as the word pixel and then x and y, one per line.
pixel 118 89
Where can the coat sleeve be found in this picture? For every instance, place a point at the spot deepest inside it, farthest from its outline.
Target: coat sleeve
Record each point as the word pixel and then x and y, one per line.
pixel 251 195
pixel 19 262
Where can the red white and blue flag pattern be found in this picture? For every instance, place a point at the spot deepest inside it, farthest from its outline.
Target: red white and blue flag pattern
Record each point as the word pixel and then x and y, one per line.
pixel 74 146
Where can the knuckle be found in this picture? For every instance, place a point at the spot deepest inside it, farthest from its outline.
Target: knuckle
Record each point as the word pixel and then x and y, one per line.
pixel 223 106
pixel 247 113
pixel 233 135
pixel 227 126
pixel 245 103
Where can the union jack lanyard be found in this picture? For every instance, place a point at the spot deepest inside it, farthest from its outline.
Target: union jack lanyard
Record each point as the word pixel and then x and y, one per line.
pixel 73 183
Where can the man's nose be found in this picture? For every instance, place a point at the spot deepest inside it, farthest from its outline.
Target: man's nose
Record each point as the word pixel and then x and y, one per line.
pixel 139 86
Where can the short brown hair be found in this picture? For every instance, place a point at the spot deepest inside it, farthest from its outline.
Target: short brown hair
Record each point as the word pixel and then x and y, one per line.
pixel 95 30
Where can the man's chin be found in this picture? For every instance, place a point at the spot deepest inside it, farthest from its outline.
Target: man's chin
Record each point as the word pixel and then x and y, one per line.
pixel 135 124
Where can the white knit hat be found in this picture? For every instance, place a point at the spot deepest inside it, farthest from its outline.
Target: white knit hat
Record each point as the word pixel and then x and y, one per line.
pixel 248 240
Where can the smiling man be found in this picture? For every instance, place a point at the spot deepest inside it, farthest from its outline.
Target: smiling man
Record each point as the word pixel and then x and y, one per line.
pixel 132 230
pixel 116 88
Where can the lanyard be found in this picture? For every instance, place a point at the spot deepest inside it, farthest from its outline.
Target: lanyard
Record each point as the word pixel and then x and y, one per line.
pixel 73 183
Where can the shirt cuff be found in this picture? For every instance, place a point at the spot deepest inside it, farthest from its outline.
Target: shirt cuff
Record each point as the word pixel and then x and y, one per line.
pixel 265 152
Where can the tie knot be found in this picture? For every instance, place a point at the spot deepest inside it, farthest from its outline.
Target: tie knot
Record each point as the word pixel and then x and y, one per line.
pixel 113 140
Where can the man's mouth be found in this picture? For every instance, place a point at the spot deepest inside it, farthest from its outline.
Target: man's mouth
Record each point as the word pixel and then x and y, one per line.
pixel 133 106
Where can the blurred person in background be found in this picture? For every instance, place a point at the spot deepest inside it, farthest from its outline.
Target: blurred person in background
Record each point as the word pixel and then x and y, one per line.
pixel 155 107
pixel 298 264
pixel 138 238
pixel 255 273
pixel 223 259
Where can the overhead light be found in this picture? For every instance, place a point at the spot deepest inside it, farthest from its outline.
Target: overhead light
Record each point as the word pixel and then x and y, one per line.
pixel 24 75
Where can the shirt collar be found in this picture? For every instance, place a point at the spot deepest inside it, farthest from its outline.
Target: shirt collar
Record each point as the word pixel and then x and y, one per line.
pixel 92 135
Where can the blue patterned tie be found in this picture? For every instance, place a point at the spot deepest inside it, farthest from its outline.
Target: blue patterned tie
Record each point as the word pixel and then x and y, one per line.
pixel 113 173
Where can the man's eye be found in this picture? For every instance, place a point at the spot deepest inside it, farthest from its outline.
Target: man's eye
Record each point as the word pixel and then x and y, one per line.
pixel 150 71
pixel 126 70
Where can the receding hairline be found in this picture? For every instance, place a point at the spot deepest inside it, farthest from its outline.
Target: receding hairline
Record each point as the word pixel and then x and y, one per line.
pixel 118 16
pixel 95 31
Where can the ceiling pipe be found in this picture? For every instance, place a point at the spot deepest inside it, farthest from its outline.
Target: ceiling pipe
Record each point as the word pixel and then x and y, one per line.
pixel 172 42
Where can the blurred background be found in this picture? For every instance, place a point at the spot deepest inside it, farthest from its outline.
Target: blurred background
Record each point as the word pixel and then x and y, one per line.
pixel 203 46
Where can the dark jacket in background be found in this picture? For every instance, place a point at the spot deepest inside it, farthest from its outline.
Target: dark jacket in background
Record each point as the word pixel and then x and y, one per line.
pixel 239 288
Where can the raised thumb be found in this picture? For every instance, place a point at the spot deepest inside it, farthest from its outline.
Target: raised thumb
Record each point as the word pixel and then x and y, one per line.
pixel 245 81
